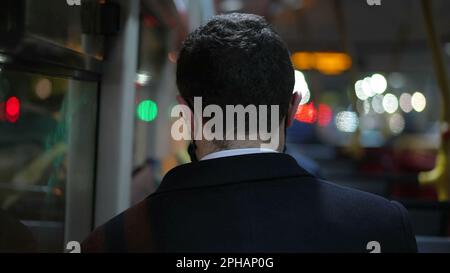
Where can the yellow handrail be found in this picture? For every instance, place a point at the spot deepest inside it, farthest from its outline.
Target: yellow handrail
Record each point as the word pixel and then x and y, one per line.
pixel 440 175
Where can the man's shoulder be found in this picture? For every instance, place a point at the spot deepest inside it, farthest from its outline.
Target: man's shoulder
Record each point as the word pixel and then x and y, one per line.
pixel 360 203
pixel 348 194
pixel 126 232
pixel 366 212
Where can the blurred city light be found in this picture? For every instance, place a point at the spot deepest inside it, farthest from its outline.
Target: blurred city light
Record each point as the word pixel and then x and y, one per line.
pixel 43 88
pixel 303 61
pixel 370 86
pixel 3 58
pixel 147 110
pixel 328 63
pixel 301 86
pixel 377 104
pixel 405 102
pixel 306 113
pixel 390 103
pixel 143 79
pixel 325 115
pixel 418 101
pixel 347 121
pixel 360 94
pixel 366 86
pixel 396 123
pixel 378 83
pixel 12 109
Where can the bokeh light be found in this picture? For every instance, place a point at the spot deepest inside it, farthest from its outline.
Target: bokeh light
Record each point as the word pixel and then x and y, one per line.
pixel 306 113
pixel 377 104
pixel 301 86
pixel 147 110
pixel 347 121
pixel 405 102
pixel 390 103
pixel 143 78
pixel 366 86
pixel 325 115
pixel 419 102
pixel 43 88
pixel 12 109
pixel 378 83
pixel 359 91
pixel 396 123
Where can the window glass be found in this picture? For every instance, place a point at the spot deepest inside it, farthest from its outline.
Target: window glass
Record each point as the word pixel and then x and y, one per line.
pixel 47 160
pixel 63 24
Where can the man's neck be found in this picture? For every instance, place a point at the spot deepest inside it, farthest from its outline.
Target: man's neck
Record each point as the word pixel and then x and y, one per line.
pixel 204 148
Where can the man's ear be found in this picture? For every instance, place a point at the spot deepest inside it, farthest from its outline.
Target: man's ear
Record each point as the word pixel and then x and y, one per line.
pixel 292 110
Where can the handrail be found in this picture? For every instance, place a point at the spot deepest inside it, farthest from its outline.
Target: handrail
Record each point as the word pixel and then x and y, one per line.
pixel 440 175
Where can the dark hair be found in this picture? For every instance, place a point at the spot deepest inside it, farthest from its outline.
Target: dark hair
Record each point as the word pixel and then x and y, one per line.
pixel 236 59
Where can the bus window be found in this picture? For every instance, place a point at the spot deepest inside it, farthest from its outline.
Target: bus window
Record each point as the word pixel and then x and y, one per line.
pixel 70 26
pixel 47 152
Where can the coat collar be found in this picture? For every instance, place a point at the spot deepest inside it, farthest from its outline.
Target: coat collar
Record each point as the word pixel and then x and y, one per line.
pixel 231 170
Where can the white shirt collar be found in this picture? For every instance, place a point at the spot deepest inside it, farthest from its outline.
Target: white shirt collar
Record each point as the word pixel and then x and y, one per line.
pixel 235 152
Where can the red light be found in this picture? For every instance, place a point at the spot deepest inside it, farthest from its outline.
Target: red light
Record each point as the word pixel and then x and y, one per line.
pixel 12 109
pixel 306 113
pixel 325 115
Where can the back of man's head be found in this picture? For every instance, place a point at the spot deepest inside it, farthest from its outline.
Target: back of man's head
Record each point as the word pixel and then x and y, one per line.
pixel 236 59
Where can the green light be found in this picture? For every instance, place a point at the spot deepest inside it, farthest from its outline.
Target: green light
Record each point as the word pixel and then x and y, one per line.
pixel 147 110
